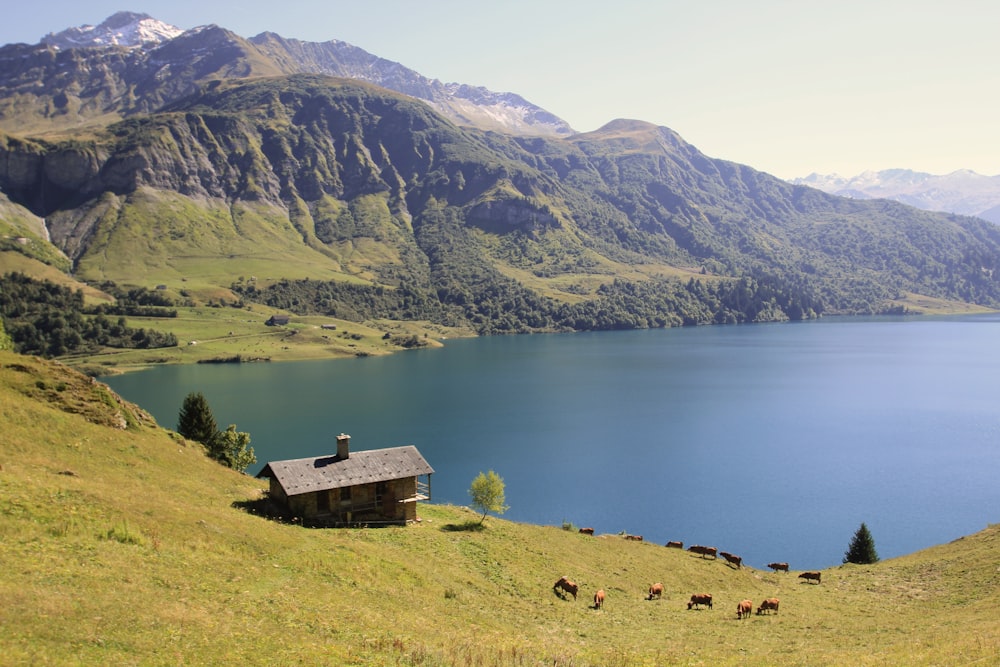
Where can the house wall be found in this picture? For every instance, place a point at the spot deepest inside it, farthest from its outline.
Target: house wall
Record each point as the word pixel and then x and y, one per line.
pixel 363 500
pixel 276 492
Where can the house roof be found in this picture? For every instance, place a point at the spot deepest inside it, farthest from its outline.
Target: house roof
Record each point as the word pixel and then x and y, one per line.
pixel 321 473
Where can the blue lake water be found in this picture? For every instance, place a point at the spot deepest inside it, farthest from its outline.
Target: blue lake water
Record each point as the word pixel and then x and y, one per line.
pixel 771 441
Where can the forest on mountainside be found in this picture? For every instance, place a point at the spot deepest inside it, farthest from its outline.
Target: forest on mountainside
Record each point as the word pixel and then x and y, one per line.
pixel 51 320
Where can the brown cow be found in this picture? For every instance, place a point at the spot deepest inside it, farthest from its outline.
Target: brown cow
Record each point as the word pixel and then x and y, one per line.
pixel 587 531
pixel 599 599
pixel 675 545
pixel 564 584
pixel 656 590
pixel 704 551
pixel 700 599
pixel 810 576
pixel 767 605
pixel 778 566
pixel 637 538
pixel 744 608
pixel 730 558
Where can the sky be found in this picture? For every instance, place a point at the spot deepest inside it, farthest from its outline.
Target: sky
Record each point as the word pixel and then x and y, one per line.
pixel 787 87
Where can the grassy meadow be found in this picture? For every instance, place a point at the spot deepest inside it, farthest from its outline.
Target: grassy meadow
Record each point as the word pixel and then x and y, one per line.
pixel 123 544
pixel 207 334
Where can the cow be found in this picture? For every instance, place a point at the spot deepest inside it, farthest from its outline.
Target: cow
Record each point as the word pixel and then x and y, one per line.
pixel 637 538
pixel 656 590
pixel 778 566
pixel 744 608
pixel 599 599
pixel 704 551
pixel 587 531
pixel 733 559
pixel 564 584
pixel 810 576
pixel 675 545
pixel 767 605
pixel 701 599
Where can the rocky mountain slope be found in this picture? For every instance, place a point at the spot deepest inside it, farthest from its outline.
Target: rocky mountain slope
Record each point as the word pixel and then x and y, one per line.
pixel 132 64
pixel 964 192
pixel 310 177
pixel 200 164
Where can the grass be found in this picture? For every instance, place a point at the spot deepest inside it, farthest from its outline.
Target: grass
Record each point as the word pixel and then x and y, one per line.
pixel 124 544
pixel 208 334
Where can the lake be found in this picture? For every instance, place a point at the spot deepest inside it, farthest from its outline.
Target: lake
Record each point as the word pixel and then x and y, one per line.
pixel 771 441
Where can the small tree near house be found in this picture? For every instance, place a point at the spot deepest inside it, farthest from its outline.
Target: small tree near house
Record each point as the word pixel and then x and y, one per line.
pixel 230 447
pixel 487 492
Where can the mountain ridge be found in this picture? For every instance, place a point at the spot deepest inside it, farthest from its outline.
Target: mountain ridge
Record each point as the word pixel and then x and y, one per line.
pixel 510 233
pixel 61 77
pixel 128 29
pixel 210 162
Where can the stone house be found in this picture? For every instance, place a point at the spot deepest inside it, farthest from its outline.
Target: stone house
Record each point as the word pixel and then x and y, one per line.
pixel 376 486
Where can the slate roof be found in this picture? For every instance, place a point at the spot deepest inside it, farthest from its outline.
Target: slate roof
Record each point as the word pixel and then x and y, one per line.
pixel 298 476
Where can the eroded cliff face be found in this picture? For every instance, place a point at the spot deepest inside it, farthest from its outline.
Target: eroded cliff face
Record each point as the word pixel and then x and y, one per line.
pixel 353 179
pixel 342 169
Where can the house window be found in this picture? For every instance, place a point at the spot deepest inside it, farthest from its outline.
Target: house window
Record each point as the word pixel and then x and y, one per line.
pixel 323 502
pixel 345 494
pixel 380 488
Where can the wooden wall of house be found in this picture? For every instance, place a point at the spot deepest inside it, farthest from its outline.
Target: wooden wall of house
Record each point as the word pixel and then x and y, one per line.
pixel 276 492
pixel 360 500
pixel 405 488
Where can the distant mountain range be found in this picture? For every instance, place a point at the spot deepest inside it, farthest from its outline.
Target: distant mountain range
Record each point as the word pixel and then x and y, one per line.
pixel 963 191
pixel 347 185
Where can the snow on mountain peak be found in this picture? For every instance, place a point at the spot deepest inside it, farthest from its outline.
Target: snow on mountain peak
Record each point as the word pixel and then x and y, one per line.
pixel 121 29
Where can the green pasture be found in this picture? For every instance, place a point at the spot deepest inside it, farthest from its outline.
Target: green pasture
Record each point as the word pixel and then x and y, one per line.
pixel 124 544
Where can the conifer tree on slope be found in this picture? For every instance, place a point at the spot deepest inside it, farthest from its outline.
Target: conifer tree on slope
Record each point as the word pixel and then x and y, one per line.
pixel 195 421
pixel 861 550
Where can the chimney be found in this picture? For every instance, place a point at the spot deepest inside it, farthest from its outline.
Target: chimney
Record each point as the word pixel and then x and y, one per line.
pixel 343 446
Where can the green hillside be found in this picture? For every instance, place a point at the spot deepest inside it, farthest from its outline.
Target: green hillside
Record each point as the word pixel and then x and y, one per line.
pixel 323 196
pixel 124 544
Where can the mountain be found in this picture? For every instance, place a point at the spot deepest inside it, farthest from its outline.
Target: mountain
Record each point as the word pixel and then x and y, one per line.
pixel 346 198
pixel 964 192
pixel 121 29
pixel 464 104
pixel 202 165
pixel 133 64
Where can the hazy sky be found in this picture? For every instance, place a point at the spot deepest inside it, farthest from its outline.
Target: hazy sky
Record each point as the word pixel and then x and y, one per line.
pixel 787 87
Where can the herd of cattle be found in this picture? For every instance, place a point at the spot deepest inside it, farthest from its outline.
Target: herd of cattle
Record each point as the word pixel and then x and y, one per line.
pixel 565 586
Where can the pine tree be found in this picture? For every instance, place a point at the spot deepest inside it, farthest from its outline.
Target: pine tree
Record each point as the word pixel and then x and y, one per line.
pixel 862 548
pixel 195 421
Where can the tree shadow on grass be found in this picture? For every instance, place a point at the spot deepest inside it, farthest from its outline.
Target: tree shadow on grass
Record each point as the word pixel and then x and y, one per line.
pixel 472 526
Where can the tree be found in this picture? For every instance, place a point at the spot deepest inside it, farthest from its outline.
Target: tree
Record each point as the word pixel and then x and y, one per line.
pixel 195 421
pixel 5 342
pixel 487 492
pixel 862 548
pixel 231 447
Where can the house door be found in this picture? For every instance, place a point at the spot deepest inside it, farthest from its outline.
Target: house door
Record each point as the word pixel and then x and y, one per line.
pixel 389 504
pixel 323 502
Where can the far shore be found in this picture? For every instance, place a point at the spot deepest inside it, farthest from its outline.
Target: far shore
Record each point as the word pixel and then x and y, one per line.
pixel 232 335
